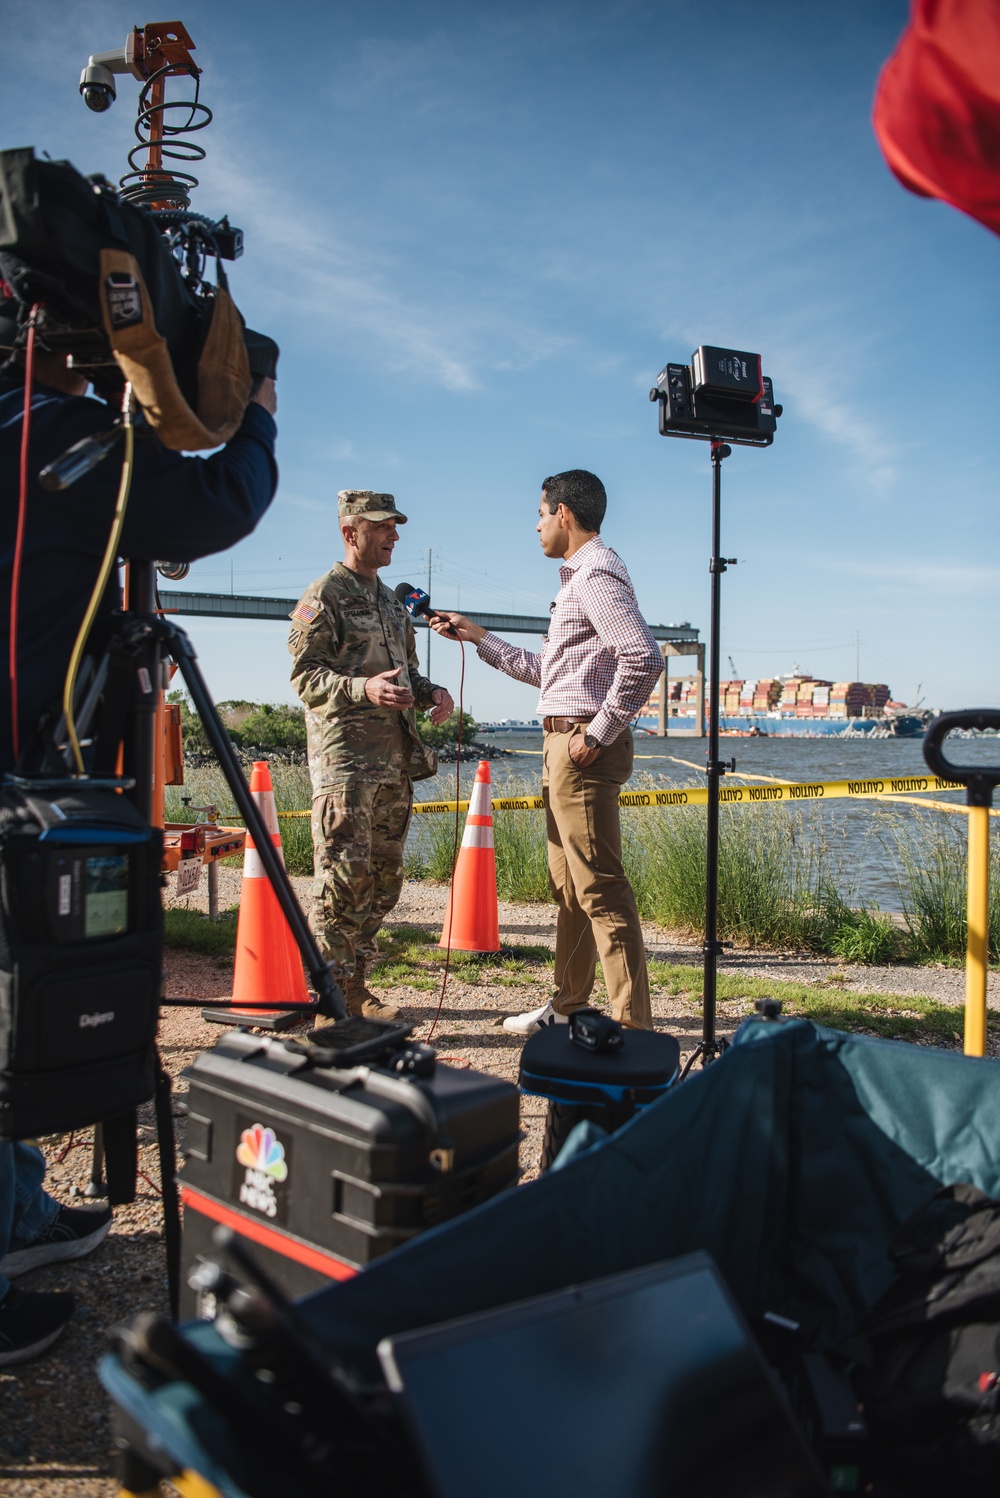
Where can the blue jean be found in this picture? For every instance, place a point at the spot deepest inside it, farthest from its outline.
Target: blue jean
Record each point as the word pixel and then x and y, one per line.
pixel 25 1209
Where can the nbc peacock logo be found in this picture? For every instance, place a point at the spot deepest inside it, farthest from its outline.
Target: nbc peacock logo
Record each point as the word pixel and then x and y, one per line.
pixel 262 1155
pixel 260 1149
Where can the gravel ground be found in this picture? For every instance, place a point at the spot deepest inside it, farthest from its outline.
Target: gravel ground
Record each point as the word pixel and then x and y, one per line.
pixel 54 1434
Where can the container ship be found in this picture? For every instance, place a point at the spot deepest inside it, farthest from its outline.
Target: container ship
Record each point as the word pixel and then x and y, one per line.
pixel 785 706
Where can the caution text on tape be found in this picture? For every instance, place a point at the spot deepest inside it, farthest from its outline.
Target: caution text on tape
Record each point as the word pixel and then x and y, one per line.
pixel 736 795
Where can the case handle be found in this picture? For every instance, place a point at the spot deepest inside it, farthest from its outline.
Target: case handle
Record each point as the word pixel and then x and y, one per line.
pixel 979 780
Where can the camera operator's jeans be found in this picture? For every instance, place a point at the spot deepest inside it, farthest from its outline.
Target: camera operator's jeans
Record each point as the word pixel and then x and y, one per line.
pixel 25 1209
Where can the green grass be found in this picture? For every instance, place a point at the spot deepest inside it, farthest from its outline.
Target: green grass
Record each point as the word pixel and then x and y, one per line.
pixel 893 1017
pixel 409 955
pixel 194 932
pixel 783 884
pixel 931 866
pixel 776 879
pixel 866 936
pixel 411 959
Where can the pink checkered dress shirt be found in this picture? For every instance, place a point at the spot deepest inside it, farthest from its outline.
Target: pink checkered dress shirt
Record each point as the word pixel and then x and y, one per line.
pixel 599 659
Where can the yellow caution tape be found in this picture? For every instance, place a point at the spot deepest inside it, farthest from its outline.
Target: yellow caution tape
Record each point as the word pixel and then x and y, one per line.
pixel 902 787
pixel 739 795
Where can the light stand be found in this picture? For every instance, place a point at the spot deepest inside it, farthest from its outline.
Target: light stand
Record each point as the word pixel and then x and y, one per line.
pixel 722 397
pixel 709 1047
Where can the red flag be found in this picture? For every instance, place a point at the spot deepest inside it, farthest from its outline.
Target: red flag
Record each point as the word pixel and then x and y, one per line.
pixel 937 106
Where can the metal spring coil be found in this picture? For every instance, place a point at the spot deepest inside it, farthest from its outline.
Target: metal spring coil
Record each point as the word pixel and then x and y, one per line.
pixel 172 188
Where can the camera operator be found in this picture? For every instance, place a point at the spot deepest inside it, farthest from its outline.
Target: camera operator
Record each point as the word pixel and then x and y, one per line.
pixel 354 665
pixel 597 667
pixel 179 508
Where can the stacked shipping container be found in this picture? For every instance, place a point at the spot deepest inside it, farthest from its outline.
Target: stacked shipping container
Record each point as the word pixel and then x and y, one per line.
pixel 791 696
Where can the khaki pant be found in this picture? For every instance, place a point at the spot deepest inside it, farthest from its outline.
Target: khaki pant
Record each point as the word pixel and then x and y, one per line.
pixel 597 914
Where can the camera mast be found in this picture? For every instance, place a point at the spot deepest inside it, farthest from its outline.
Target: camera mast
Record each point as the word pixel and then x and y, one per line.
pixel 152 54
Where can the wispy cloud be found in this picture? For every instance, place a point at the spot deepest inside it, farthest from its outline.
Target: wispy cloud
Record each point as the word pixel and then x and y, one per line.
pixel 952 577
pixel 815 377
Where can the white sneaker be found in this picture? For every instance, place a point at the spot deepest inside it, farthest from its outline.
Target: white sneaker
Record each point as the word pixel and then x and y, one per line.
pixel 527 1024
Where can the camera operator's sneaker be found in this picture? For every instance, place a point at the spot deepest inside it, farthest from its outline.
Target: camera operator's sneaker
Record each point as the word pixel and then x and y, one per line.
pixel 30 1322
pixel 527 1024
pixel 73 1233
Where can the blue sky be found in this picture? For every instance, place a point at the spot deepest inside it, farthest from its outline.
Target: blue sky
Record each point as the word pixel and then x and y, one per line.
pixel 479 232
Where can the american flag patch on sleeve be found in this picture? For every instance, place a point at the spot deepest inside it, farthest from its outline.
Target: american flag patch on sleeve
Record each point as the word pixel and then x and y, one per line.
pixel 304 614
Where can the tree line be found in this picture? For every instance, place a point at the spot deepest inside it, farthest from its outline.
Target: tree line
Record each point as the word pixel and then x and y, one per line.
pixel 280 727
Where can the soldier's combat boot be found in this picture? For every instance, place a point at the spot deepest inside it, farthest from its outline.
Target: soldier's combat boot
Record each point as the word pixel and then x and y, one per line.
pixel 361 1000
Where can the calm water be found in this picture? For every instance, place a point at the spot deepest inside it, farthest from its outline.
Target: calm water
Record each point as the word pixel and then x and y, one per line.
pixel 861 860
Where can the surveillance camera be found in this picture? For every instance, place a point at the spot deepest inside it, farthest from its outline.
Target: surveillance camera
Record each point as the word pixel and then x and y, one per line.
pixel 98 97
pixel 97 85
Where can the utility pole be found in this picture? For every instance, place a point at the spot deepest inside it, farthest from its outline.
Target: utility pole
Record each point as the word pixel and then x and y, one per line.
pixel 857 655
pixel 430 556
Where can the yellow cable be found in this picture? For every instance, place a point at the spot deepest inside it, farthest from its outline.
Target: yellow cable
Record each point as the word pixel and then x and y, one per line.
pixel 107 563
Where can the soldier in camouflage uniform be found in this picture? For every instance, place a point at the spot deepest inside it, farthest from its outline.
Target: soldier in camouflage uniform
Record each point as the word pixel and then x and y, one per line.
pixel 354 665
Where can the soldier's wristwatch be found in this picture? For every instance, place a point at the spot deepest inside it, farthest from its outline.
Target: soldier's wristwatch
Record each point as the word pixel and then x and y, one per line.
pixel 590 741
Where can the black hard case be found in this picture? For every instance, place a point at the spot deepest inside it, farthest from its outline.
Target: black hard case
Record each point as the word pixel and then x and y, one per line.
pixel 638 1073
pixel 372 1158
pixel 78 1014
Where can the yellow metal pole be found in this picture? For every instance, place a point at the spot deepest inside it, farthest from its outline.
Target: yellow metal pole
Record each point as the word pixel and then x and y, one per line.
pixel 977 950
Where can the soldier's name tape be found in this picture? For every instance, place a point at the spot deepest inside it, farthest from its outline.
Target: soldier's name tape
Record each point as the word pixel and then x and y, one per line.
pixel 739 795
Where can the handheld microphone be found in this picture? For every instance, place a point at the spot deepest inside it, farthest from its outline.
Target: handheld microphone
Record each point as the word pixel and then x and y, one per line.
pixel 415 601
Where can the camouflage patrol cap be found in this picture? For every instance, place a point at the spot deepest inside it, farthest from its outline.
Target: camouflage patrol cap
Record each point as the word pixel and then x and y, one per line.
pixel 367 505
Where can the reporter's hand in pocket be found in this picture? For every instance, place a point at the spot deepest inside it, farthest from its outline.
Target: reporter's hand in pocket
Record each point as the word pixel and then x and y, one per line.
pixel 580 752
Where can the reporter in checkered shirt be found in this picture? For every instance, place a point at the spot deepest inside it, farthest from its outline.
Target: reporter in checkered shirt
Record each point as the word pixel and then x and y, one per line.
pixel 596 669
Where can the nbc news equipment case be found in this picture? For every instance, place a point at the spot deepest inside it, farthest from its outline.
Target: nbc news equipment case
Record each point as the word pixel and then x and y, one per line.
pixel 321 1168
pixel 81 939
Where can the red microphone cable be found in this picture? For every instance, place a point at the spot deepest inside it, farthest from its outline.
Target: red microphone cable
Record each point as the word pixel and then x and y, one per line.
pixel 454 851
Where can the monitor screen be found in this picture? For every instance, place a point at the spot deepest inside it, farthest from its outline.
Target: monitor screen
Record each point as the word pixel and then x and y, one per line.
pixel 105 904
pixel 646 1383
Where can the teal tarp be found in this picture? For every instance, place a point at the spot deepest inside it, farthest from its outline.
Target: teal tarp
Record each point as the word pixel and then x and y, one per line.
pixel 792 1160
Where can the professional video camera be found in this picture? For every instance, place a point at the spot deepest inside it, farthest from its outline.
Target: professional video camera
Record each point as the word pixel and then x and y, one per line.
pixel 116 280
pixel 722 394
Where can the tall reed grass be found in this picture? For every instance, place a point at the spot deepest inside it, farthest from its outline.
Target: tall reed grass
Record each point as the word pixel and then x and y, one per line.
pixel 932 870
pixel 292 792
pixel 778 879
pixel 783 882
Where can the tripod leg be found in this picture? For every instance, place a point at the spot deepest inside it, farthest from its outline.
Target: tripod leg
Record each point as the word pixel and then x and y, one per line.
pixel 168 1182
pixel 95 1186
pixel 331 1000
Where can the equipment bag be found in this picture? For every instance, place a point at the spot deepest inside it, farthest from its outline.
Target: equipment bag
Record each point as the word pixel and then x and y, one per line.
pixel 81 940
pixel 114 294
pixel 928 1354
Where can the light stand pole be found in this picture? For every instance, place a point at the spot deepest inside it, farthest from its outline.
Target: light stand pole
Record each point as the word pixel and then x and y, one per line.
pixel 715 399
pixel 709 1047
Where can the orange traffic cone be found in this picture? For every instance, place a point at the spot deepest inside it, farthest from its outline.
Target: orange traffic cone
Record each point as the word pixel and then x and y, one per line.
pixel 472 921
pixel 268 965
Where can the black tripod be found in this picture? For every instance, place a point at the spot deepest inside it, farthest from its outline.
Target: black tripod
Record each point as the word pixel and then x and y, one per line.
pixel 117 701
pixel 709 1047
